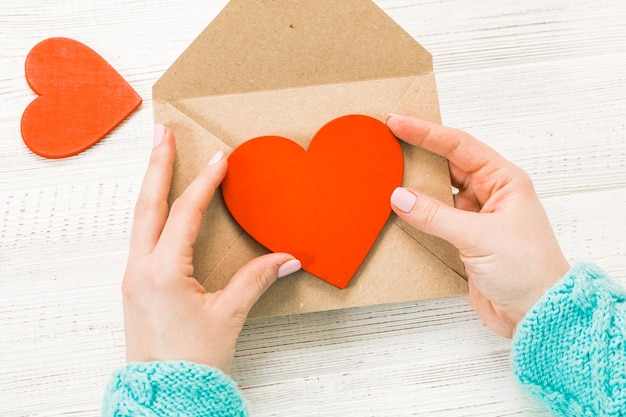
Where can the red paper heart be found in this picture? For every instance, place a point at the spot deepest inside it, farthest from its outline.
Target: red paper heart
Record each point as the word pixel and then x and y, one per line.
pixel 326 206
pixel 81 98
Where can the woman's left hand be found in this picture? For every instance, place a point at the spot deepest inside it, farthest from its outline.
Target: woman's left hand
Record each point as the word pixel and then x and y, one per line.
pixel 168 314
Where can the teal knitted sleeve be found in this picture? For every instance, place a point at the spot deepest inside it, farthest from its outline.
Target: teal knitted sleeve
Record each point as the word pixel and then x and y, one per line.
pixel 156 389
pixel 570 350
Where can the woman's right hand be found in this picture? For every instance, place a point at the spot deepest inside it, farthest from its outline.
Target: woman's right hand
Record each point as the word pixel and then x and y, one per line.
pixel 499 226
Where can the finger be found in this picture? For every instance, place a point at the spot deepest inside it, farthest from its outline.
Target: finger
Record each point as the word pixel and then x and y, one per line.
pixel 465 151
pixel 151 208
pixel 431 216
pixel 185 218
pixel 252 280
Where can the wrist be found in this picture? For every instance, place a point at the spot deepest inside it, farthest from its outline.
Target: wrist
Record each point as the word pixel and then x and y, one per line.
pixel 542 284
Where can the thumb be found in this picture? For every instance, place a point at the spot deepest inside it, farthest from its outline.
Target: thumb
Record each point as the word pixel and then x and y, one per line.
pixel 254 278
pixel 431 216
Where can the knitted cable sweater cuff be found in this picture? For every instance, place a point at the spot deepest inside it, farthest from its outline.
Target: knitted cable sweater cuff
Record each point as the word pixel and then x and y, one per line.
pixel 171 389
pixel 569 350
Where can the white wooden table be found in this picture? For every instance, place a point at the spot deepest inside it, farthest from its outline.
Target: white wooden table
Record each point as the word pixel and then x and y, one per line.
pixel 542 81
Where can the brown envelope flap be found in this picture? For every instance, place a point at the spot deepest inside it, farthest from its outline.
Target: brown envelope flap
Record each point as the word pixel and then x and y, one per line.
pixel 268 45
pixel 296 113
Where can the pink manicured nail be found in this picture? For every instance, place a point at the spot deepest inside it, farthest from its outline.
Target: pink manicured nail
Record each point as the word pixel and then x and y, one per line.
pixel 403 199
pixel 216 158
pixel 159 134
pixel 289 267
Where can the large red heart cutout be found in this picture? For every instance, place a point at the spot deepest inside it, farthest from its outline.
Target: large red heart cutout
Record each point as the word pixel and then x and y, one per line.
pixel 81 98
pixel 325 206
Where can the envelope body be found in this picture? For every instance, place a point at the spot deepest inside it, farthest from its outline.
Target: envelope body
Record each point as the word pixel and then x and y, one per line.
pixel 268 68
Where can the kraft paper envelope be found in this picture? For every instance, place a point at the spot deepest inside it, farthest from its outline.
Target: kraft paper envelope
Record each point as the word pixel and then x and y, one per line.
pixel 286 68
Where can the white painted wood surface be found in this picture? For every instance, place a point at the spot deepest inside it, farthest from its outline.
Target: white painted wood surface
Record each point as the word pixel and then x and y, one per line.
pixel 543 81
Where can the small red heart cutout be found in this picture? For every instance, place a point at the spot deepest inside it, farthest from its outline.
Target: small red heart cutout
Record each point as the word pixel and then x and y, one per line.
pixel 81 98
pixel 325 206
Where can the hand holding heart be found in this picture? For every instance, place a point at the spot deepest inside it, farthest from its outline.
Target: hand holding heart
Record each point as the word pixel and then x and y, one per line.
pixel 505 240
pixel 168 314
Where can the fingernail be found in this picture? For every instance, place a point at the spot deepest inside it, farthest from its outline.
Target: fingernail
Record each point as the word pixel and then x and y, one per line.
pixel 159 134
pixel 389 116
pixel 216 158
pixel 403 199
pixel 289 267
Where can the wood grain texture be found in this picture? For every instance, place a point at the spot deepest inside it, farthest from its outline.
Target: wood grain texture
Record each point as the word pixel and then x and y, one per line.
pixel 540 81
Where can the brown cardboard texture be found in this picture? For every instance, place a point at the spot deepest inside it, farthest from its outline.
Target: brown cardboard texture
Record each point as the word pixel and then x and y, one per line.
pixel 286 68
